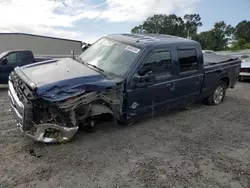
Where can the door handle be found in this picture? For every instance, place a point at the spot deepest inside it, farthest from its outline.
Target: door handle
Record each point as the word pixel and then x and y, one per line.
pixel 171 85
pixel 197 80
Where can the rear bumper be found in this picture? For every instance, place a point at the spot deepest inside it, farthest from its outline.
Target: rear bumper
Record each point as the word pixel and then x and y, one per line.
pixel 18 110
pixel 244 75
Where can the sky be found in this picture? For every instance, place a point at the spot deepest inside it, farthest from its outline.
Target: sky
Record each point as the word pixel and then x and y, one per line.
pixel 88 20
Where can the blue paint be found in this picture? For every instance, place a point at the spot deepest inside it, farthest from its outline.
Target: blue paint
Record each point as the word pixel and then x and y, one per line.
pixel 64 89
pixel 58 80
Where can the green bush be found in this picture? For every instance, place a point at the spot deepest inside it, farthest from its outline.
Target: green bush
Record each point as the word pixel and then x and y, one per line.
pixel 246 46
pixel 241 44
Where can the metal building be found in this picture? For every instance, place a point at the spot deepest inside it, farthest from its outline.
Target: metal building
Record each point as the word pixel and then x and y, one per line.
pixel 40 45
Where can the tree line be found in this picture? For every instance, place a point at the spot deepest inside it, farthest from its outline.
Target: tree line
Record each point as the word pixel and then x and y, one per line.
pixel 221 37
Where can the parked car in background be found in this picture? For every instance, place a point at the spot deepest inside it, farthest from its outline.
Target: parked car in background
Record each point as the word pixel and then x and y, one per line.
pixel 209 52
pixel 123 76
pixel 244 57
pixel 245 67
pixel 241 57
pixel 11 59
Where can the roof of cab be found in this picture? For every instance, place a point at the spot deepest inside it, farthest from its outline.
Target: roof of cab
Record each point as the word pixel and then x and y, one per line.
pixel 17 50
pixel 146 40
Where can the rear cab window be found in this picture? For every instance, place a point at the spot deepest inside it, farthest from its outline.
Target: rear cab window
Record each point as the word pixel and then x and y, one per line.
pixel 188 59
pixel 28 56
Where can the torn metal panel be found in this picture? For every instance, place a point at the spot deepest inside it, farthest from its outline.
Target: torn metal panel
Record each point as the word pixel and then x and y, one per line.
pixel 98 109
pixel 61 134
pixel 60 95
pixel 58 121
pixel 60 79
pixel 56 92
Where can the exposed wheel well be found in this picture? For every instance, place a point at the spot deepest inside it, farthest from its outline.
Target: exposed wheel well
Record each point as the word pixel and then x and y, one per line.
pixel 101 110
pixel 226 80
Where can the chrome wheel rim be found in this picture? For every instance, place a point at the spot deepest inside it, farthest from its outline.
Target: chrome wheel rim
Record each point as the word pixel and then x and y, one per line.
pixel 218 94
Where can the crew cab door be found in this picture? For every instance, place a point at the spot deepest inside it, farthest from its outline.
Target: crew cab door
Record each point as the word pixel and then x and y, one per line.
pixel 190 75
pixel 8 63
pixel 27 58
pixel 149 89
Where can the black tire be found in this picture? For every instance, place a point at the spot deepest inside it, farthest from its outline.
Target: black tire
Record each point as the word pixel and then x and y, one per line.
pixel 88 126
pixel 212 100
pixel 240 79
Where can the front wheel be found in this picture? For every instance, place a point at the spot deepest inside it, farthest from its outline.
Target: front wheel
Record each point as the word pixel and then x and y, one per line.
pixel 218 94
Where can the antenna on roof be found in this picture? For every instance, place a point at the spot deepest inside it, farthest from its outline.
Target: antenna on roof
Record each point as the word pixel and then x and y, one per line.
pixel 73 54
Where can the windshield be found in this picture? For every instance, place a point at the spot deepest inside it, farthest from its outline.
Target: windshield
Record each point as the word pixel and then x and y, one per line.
pixel 110 56
pixel 3 54
pixel 244 57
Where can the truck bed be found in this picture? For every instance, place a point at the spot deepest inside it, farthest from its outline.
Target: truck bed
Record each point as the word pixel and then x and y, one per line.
pixel 219 66
pixel 212 59
pixel 221 62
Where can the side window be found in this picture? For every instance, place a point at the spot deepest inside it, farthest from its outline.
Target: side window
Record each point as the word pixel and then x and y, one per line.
pixel 14 57
pixel 188 60
pixel 158 64
pixel 27 57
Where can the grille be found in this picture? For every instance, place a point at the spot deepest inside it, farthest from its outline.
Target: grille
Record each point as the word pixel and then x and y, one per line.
pixel 25 95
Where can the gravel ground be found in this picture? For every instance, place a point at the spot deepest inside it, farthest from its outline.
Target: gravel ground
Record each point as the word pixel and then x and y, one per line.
pixel 204 146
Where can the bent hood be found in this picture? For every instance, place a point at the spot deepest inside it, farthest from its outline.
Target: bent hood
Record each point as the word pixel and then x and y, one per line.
pixel 59 79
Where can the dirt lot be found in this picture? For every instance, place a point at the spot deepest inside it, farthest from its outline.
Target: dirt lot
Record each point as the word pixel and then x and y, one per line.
pixel 199 147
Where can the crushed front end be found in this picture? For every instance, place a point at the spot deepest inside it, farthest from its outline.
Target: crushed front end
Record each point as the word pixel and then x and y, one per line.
pixel 38 120
pixel 58 121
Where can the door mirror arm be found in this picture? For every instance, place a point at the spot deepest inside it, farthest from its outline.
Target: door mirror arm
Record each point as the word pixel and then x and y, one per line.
pixel 143 81
pixel 4 61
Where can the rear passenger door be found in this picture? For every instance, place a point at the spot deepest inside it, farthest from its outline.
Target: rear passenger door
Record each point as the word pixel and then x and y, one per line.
pixel 27 58
pixel 190 75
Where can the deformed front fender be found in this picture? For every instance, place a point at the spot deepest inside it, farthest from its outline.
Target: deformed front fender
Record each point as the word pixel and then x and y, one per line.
pixel 99 109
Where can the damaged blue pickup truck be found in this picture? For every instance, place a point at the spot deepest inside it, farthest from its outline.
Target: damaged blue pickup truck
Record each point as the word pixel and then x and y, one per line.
pixel 123 76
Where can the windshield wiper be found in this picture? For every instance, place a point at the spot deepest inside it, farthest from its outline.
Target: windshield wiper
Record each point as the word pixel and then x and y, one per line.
pixel 80 59
pixel 88 64
pixel 95 67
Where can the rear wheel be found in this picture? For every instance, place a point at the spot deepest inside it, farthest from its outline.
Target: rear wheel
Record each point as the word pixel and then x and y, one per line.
pixel 240 79
pixel 218 94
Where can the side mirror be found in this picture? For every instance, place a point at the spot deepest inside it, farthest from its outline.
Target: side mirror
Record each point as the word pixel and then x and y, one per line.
pixel 4 61
pixel 143 81
pixel 136 78
pixel 85 46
